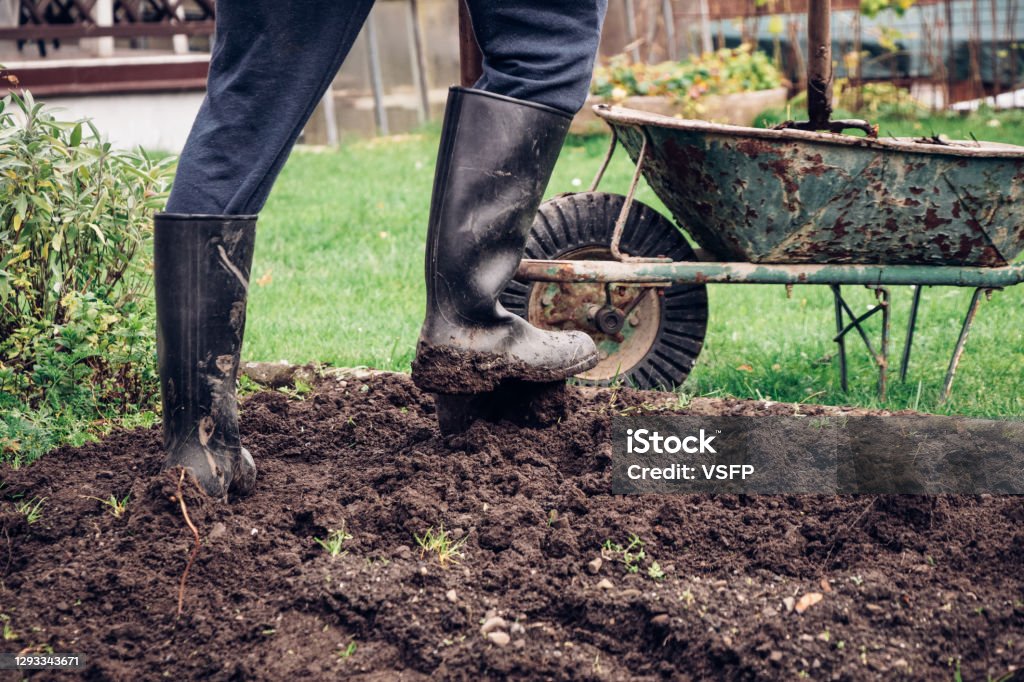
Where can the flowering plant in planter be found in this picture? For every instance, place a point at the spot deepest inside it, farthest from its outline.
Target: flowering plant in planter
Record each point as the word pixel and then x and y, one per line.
pixel 723 72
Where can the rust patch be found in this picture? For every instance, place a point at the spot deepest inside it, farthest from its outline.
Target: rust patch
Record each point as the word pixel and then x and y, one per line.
pixel 932 221
pixel 817 167
pixel 839 229
pixel 754 148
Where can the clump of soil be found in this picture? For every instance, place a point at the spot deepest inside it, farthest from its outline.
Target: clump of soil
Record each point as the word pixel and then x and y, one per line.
pixel 763 587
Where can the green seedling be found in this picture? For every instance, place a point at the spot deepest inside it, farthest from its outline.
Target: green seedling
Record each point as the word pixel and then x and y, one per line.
pixel 630 556
pixel 8 632
pixel 440 542
pixel 348 651
pixel 655 572
pixel 298 391
pixel 335 540
pixel 116 507
pixel 32 509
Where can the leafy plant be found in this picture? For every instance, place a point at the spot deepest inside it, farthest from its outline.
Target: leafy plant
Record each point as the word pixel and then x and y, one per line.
pixel 117 507
pixel 76 329
pixel 335 540
pixel 348 651
pixel 440 543
pixel 631 556
pixel 726 71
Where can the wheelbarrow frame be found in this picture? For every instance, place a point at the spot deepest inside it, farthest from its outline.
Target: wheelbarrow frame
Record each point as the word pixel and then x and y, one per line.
pixel 626 269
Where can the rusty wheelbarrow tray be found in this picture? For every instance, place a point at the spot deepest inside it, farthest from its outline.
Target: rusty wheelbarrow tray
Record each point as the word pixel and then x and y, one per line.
pixel 800 207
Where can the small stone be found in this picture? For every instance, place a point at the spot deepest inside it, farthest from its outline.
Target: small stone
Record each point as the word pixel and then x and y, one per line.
pixel 808 600
pixel 218 530
pixel 727 641
pixel 517 628
pixel 874 608
pixel 769 612
pixel 403 551
pixel 595 566
pixel 492 624
pixel 452 596
pixel 631 593
pixel 789 603
pixel 500 638
pixel 423 570
pixel 661 620
pixel 490 613
pixel 519 644
pixel 605 584
pixel 775 656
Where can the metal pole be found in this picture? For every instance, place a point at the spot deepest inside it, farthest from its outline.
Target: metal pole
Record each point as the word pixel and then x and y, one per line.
pixel 470 58
pixel 419 62
pixel 376 80
pixel 706 272
pixel 819 62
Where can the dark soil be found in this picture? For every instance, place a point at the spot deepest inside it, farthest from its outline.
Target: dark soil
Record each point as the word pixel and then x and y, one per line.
pixel 910 587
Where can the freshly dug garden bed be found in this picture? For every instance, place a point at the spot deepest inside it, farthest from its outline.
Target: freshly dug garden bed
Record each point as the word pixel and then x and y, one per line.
pixel 769 587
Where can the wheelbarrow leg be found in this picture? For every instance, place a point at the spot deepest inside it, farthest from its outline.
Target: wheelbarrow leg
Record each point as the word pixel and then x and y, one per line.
pixel 837 296
pixel 911 326
pixel 958 352
pixel 883 357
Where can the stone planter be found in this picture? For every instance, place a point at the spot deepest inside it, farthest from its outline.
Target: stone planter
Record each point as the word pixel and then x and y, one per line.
pixel 738 109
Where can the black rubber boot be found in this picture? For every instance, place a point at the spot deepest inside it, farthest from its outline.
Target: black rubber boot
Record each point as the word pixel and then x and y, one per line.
pixel 201 271
pixel 495 160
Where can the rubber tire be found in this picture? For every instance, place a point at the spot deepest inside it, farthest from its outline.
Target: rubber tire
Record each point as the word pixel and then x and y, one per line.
pixel 571 222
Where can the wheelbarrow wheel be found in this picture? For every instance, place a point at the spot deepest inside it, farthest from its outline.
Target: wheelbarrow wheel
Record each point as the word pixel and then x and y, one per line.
pixel 648 337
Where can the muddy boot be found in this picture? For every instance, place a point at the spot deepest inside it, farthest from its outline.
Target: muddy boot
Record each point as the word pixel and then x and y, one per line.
pixel 201 272
pixel 495 160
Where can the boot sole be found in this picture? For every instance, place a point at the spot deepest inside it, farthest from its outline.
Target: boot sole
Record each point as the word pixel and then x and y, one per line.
pixel 452 371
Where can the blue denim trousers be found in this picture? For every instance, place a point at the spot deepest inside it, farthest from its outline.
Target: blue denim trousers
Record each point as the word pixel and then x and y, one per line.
pixel 273 60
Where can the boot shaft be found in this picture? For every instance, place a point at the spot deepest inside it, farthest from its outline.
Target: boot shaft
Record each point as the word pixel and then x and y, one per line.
pixel 495 160
pixel 201 272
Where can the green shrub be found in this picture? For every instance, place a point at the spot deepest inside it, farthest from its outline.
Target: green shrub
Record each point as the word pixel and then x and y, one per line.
pixel 76 318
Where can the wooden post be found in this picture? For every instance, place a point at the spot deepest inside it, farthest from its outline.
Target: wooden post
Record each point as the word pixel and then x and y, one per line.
pixel 819 62
pixel 470 57
pixel 705 27
pixel 634 43
pixel 376 78
pixel 669 17
pixel 419 62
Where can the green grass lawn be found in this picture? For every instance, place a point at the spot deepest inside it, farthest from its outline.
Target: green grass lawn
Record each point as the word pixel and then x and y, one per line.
pixel 338 278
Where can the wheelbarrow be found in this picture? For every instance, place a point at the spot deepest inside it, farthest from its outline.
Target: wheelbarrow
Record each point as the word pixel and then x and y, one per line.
pixel 802 204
